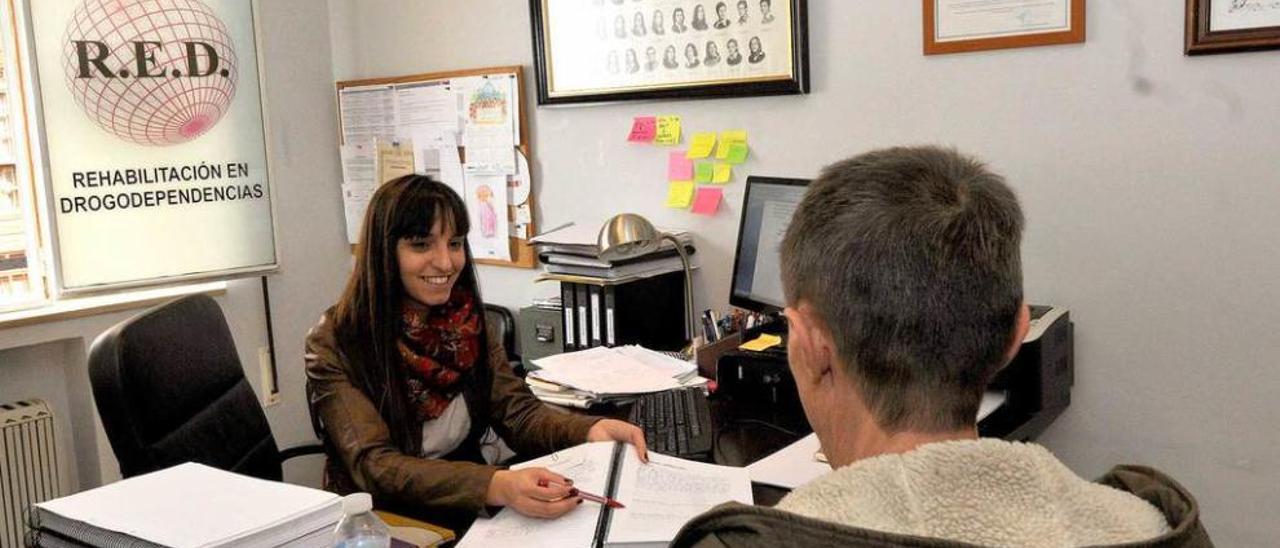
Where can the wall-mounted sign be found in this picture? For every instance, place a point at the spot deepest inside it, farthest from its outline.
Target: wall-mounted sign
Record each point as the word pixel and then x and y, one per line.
pixel 154 133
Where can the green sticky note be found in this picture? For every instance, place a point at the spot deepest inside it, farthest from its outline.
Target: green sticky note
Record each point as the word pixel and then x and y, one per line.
pixel 727 139
pixel 737 153
pixel 723 172
pixel 668 131
pixel 702 145
pixel 703 172
pixel 680 194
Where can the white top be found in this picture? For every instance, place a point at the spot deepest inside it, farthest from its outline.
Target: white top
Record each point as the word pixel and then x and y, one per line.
pixel 443 434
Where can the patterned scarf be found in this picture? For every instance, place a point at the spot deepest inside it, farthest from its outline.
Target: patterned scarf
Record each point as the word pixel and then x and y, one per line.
pixel 438 345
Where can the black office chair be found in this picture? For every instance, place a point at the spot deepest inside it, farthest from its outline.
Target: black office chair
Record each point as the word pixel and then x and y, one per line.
pixel 170 389
pixel 504 324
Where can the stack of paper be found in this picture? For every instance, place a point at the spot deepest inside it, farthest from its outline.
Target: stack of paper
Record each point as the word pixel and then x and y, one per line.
pixel 193 505
pixel 582 378
pixel 572 250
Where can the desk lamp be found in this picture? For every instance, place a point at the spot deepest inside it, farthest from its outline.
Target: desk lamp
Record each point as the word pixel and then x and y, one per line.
pixel 629 235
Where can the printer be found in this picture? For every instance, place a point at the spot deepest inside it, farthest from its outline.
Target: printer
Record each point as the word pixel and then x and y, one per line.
pixel 1036 384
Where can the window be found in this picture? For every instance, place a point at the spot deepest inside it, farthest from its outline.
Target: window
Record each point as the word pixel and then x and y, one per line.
pixel 21 273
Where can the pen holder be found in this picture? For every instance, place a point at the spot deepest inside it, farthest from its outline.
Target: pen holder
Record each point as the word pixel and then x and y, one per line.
pixel 708 355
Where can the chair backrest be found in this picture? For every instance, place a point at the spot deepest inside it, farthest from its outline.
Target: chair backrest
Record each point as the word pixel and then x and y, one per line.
pixel 504 323
pixel 170 389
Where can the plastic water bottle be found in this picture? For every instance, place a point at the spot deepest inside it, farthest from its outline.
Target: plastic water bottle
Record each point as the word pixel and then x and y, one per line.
pixel 360 527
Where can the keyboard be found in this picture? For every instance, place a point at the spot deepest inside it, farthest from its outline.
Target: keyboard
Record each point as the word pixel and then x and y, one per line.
pixel 675 422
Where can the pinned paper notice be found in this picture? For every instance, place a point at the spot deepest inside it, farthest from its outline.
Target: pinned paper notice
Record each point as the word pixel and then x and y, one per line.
pixel 680 194
pixel 679 168
pixel 703 172
pixel 737 153
pixel 702 145
pixel 723 172
pixel 643 129
pixel 727 140
pixel 707 201
pixel 762 343
pixel 668 131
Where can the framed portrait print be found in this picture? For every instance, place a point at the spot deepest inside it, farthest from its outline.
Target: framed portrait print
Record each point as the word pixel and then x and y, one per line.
pixel 954 26
pixel 1224 26
pixel 616 50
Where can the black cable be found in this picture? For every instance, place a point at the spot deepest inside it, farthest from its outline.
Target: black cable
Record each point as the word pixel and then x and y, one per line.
pixel 271 337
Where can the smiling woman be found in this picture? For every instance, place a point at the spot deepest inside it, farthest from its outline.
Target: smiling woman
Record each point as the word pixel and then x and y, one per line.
pixel 407 385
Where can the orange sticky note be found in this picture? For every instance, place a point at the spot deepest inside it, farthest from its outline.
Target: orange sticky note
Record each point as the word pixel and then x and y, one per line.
pixel 680 194
pixel 643 129
pixel 708 200
pixel 679 167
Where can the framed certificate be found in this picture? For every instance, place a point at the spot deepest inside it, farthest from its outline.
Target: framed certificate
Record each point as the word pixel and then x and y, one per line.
pixel 953 26
pixel 1224 26
pixel 615 50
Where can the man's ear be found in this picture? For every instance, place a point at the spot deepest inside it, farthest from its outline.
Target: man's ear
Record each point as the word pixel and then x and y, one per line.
pixel 808 336
pixel 1021 325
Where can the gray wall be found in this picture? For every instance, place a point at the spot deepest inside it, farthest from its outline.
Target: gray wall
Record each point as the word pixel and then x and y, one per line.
pixel 1148 179
pixel 48 360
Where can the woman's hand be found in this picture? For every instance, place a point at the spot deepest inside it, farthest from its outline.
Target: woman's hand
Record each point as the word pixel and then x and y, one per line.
pixel 535 492
pixel 616 430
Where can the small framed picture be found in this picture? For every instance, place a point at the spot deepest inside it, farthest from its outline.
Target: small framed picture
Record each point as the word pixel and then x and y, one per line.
pixel 616 50
pixel 1224 26
pixel 954 26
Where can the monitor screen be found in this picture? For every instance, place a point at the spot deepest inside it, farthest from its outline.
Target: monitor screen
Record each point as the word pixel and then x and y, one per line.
pixel 767 210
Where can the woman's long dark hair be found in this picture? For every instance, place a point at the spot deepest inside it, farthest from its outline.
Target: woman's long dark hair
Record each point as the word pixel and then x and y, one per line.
pixel 366 319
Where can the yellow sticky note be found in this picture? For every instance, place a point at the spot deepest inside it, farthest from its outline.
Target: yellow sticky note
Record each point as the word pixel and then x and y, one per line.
pixel 703 172
pixel 680 194
pixel 762 343
pixel 723 172
pixel 727 139
pixel 668 131
pixel 702 145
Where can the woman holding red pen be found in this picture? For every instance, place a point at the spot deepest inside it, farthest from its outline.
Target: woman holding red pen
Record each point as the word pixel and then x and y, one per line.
pixel 406 384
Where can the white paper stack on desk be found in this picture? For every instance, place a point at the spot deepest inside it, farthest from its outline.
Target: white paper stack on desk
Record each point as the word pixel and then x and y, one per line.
pixel 580 379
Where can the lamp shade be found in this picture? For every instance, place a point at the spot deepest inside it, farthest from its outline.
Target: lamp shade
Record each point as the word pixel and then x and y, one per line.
pixel 627 235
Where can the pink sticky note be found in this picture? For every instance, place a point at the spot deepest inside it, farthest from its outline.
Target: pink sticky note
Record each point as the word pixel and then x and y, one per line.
pixel 707 202
pixel 679 168
pixel 643 129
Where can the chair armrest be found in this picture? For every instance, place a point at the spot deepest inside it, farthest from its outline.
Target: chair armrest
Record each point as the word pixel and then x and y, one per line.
pixel 301 450
pixel 405 528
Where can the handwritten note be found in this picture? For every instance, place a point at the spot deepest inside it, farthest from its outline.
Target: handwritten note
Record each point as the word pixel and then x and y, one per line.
pixel 703 172
pixel 737 153
pixel 702 145
pixel 643 129
pixel 707 202
pixel 680 194
pixel 723 173
pixel 727 140
pixel 679 168
pixel 668 131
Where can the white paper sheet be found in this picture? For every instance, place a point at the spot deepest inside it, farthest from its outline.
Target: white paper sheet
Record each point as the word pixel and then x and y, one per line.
pixel 489 116
pixel 661 496
pixel 359 170
pixel 604 370
pixel 588 466
pixel 368 113
pixel 486 199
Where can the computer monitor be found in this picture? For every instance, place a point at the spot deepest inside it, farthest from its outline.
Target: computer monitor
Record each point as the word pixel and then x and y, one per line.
pixel 757 275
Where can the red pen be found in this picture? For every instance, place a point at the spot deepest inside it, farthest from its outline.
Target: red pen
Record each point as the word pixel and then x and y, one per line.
pixel 586 496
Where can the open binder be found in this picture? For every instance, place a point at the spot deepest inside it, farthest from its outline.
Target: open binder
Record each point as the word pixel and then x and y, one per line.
pixel 659 498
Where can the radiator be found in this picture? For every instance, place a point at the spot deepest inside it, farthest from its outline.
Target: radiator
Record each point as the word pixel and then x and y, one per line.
pixel 29 470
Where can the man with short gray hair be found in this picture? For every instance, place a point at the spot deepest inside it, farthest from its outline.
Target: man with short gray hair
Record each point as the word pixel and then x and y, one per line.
pixel 903 280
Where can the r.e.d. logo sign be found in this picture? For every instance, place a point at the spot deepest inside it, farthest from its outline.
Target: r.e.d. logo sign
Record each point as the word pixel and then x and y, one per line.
pixel 152 72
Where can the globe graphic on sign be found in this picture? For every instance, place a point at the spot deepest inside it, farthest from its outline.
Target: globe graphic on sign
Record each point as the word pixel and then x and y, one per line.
pixel 180 89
